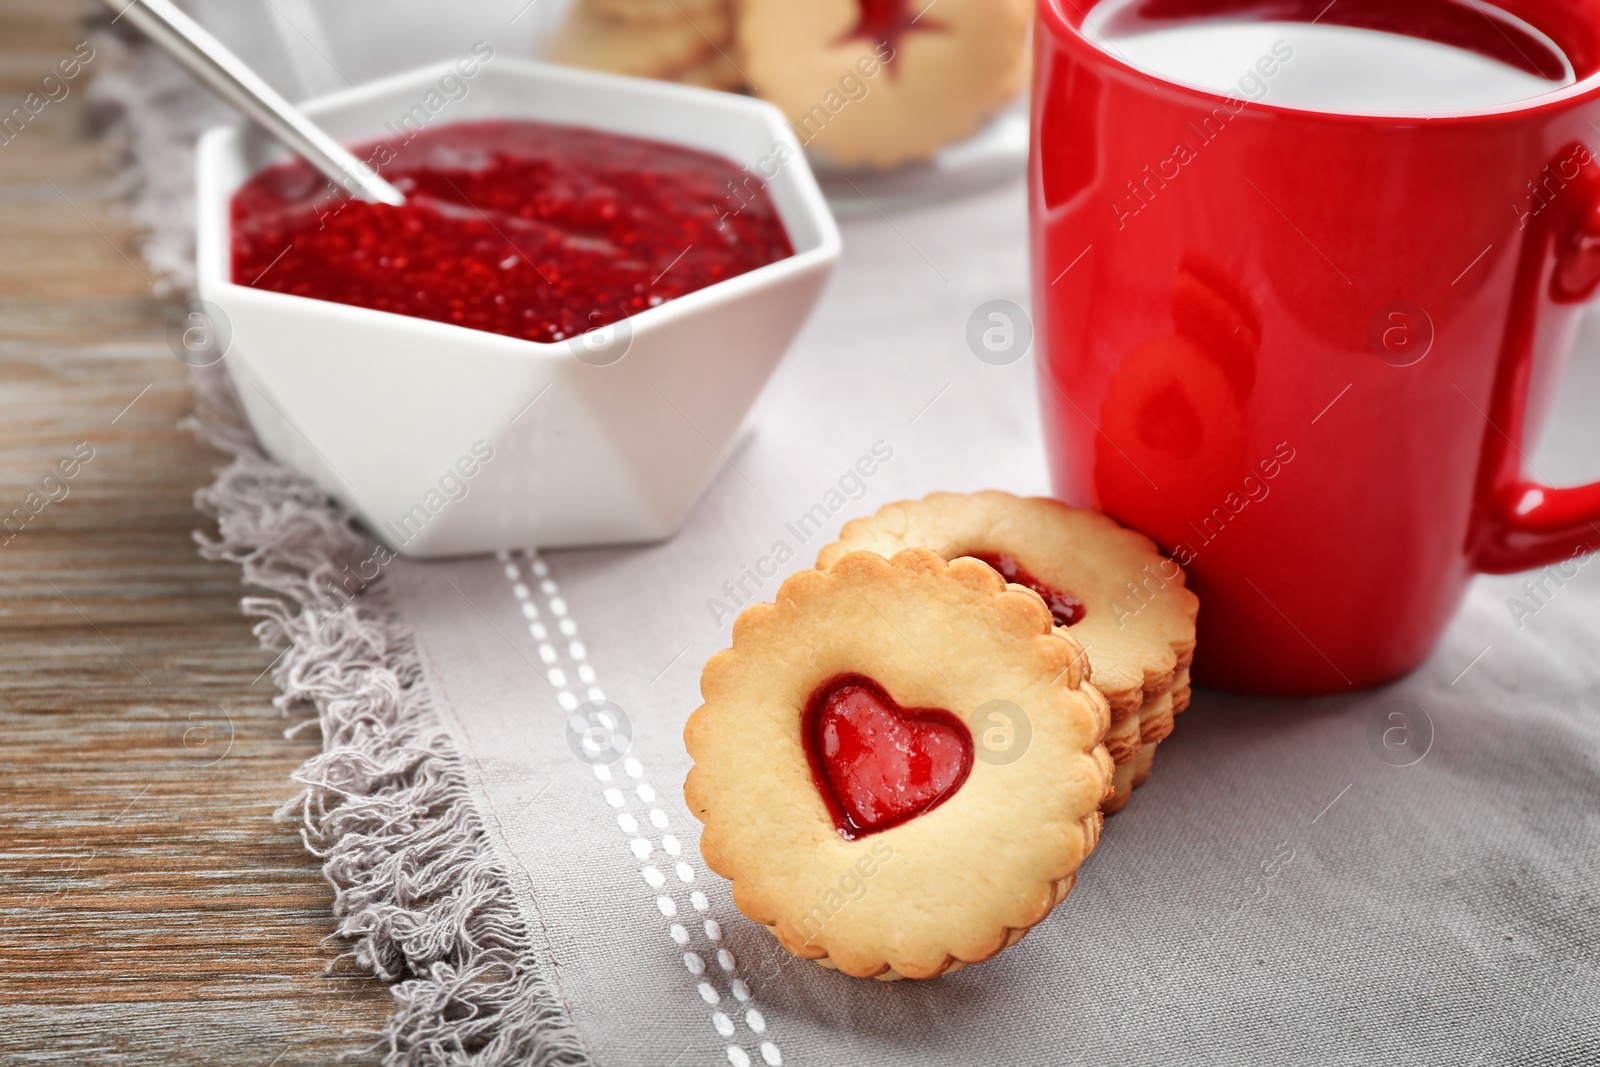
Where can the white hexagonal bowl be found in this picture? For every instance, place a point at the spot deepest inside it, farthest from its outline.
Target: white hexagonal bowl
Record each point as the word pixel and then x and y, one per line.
pixel 379 408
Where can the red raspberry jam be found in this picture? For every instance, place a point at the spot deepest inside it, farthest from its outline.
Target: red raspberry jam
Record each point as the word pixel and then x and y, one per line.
pixel 527 229
pixel 1065 608
pixel 875 763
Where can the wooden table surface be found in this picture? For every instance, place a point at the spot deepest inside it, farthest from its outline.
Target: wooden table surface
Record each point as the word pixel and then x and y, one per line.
pixel 151 910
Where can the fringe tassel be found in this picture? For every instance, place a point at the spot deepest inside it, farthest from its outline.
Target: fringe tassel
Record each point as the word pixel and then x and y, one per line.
pixel 385 806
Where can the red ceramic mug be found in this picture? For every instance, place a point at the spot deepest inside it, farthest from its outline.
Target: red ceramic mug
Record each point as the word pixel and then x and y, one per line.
pixel 1305 351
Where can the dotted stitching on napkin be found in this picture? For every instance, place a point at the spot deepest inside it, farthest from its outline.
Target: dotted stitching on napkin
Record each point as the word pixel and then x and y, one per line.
pixel 704 957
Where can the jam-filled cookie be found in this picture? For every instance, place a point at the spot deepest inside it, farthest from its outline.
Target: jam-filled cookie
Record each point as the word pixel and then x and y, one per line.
pixel 884 82
pixel 1106 585
pixel 898 764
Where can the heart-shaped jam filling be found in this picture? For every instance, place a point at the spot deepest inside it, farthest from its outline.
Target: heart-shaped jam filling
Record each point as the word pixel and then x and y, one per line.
pixel 877 764
pixel 1065 608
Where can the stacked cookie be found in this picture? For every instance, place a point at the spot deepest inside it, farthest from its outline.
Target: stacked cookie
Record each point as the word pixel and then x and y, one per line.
pixel 940 713
pixel 872 83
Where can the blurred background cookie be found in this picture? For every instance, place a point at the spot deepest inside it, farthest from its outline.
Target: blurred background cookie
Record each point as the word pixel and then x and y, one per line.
pixel 717 72
pixel 653 40
pixel 654 12
pixel 884 82
pixel 865 83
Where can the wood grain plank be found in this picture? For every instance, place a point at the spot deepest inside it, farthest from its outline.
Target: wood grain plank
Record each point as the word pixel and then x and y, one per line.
pixel 151 908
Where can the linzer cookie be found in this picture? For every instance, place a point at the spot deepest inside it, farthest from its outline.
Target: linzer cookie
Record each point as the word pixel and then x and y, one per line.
pixel 1108 586
pixel 885 82
pixel 899 764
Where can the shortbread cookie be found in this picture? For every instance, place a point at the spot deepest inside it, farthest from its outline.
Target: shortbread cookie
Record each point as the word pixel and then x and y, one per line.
pixel 854 779
pixel 877 83
pixel 1108 586
pixel 655 50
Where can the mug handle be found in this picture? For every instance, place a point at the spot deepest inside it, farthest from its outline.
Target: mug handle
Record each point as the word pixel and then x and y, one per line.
pixel 1520 524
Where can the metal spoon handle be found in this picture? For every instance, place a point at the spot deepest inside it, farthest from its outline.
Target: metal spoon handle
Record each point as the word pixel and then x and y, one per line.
pixel 209 60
